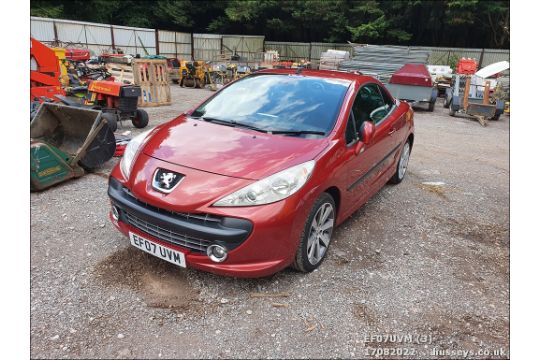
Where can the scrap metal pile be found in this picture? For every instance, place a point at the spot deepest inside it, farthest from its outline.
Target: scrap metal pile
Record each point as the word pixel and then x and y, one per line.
pixel 382 61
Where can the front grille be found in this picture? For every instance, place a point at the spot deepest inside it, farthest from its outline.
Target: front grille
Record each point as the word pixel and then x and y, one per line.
pixel 202 217
pixel 127 104
pixel 192 243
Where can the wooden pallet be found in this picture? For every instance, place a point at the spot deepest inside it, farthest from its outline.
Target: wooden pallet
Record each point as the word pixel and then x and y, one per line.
pixel 122 73
pixel 153 78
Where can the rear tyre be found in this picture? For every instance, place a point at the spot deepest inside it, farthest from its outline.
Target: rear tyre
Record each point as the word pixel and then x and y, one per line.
pixel 447 102
pixel 317 234
pixel 141 119
pixel 431 106
pixel 402 164
pixel 496 116
pixel 112 120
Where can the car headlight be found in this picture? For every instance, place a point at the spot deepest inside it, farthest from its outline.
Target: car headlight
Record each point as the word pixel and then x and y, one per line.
pixel 131 151
pixel 271 189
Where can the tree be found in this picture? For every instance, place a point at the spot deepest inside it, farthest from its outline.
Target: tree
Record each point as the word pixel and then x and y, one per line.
pixel 463 23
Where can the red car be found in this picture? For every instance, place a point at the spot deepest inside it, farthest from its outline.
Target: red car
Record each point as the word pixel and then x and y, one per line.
pixel 256 177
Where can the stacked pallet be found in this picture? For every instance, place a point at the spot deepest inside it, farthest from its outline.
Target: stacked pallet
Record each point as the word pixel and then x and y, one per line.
pixel 331 59
pixel 122 73
pixel 382 61
pixel 153 78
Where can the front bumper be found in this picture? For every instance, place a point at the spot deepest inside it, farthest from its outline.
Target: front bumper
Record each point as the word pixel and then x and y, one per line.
pixel 260 241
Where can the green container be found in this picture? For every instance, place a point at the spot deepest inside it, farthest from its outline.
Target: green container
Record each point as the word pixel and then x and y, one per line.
pixel 65 140
pixel 49 166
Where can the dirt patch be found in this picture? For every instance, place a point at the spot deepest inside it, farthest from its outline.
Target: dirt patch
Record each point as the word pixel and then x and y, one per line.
pixel 363 313
pixel 488 234
pixel 434 189
pixel 163 285
pixel 466 330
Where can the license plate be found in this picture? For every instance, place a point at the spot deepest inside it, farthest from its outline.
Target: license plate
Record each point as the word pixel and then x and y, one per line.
pixel 162 252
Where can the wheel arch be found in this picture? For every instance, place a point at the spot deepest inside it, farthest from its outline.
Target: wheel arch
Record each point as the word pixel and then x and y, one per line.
pixel 336 195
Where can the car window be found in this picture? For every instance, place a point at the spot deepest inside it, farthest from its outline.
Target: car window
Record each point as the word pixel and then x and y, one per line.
pixel 351 135
pixel 279 102
pixel 371 103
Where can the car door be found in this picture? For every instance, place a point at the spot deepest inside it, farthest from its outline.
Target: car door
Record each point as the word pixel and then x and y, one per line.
pixel 366 168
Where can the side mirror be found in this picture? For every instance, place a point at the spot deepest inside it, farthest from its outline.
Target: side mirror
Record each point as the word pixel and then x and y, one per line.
pixel 367 131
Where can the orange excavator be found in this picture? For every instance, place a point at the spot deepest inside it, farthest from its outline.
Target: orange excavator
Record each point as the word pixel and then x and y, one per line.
pixel 44 72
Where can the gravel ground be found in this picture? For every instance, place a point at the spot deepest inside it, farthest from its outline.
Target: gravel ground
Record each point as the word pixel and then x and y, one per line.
pixel 419 267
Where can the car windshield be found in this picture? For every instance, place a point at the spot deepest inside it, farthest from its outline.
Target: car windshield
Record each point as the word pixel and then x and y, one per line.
pixel 287 104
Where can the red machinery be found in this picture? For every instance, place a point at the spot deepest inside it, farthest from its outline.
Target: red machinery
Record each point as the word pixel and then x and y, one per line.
pixel 44 72
pixel 74 54
pixel 117 102
pixel 467 66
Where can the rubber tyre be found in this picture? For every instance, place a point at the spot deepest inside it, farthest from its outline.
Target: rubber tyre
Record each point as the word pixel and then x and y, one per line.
pixel 141 119
pixel 395 179
pixel 447 102
pixel 112 120
pixel 301 262
pixel 431 106
pixel 495 117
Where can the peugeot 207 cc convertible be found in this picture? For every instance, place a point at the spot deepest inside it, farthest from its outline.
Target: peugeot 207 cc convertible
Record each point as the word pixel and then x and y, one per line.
pixel 257 177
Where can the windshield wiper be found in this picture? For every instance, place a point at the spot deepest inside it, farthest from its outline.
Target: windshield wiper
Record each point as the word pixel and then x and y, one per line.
pixel 298 132
pixel 233 123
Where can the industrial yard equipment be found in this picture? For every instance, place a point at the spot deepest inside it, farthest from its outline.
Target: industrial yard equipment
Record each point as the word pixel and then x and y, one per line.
pixel 66 140
pixel 45 72
pixel 473 100
pixel 118 102
pixel 173 67
pixel 193 74
pixel 413 83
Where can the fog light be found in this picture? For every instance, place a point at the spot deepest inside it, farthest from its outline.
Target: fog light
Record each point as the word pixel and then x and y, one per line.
pixel 216 253
pixel 115 213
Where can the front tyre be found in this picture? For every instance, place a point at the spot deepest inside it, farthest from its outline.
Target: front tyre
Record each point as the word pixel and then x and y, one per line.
pixel 317 234
pixel 141 119
pixel 403 162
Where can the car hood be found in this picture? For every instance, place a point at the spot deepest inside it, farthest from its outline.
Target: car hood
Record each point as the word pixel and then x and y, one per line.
pixel 229 151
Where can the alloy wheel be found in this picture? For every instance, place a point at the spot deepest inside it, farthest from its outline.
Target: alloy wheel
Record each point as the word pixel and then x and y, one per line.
pixel 320 233
pixel 404 160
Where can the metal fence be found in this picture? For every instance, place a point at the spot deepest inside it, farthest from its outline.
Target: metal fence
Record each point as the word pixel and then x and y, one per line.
pixel 103 38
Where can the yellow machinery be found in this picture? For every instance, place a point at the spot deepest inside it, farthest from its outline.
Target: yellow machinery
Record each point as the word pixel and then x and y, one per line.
pixel 193 74
pixel 61 55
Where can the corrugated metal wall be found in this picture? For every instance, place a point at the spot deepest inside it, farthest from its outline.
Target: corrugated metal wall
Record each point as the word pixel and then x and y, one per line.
pixel 289 50
pixel 97 37
pixel 175 44
pixel 206 46
pixel 135 40
pixel 249 47
pixel 42 29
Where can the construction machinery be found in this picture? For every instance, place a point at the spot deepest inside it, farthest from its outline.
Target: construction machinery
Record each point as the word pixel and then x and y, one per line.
pixel 193 74
pixel 173 67
pixel 472 91
pixel 118 102
pixel 473 100
pixel 45 72
pixel 65 141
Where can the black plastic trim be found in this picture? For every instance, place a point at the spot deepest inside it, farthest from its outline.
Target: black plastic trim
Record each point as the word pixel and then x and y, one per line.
pixel 373 168
pixel 227 231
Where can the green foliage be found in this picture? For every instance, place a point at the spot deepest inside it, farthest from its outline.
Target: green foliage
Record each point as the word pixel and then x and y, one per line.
pixel 453 60
pixel 462 23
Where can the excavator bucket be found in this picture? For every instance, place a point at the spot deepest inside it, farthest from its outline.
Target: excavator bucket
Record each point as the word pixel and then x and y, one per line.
pixel 66 140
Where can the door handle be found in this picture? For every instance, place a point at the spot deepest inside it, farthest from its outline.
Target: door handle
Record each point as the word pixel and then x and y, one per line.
pixel 392 131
